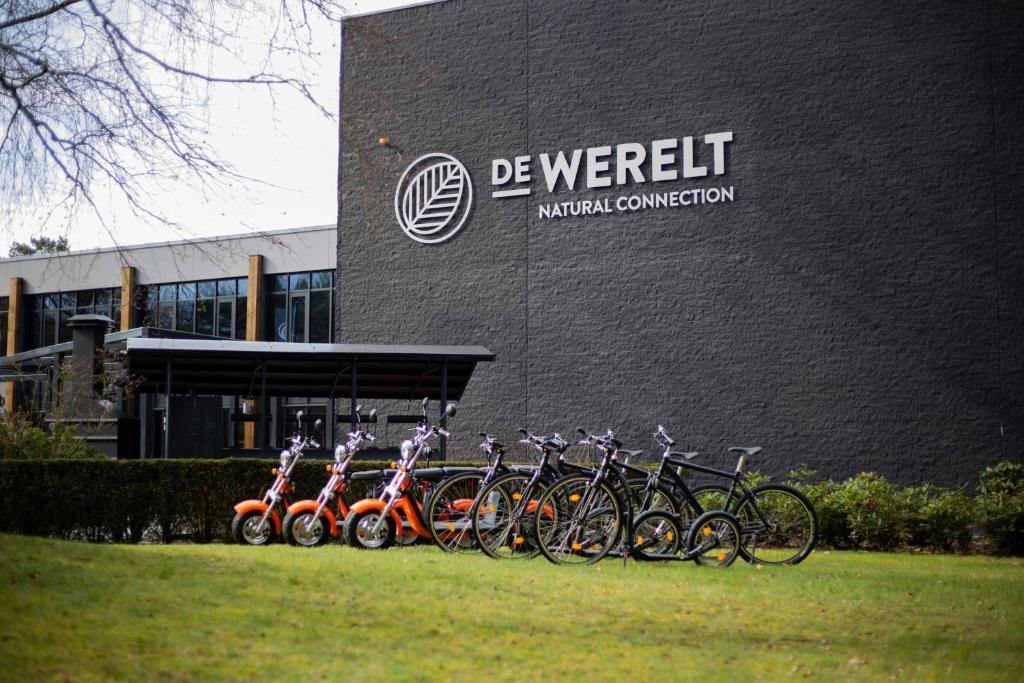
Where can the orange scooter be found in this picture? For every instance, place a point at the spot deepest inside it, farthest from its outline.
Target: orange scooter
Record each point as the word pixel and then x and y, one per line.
pixel 373 523
pixel 257 522
pixel 310 523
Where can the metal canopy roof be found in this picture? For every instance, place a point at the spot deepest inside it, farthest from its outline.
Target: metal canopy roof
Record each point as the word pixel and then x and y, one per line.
pixel 229 367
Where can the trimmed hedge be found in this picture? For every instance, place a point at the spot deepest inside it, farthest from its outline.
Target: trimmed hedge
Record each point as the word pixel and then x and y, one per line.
pixel 163 500
pixel 132 500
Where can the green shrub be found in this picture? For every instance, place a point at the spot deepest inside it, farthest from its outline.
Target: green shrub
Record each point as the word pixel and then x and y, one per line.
pixel 938 517
pixel 1001 506
pixel 22 439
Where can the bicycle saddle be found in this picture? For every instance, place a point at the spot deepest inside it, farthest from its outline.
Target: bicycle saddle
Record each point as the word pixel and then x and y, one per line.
pixel 685 456
pixel 749 451
pixel 629 454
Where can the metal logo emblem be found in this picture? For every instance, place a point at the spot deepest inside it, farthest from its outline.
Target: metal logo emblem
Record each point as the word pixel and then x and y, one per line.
pixel 433 198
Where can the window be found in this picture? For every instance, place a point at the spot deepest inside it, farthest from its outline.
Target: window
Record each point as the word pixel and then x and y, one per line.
pixel 300 307
pixel 211 307
pixel 47 315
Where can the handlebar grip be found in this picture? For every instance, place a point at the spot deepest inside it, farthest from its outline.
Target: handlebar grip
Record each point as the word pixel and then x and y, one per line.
pixel 484 434
pixel 523 432
pixel 443 432
pixel 582 431
pixel 615 442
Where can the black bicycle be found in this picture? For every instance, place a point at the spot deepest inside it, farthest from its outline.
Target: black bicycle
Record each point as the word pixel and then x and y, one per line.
pixel 582 517
pixel 778 523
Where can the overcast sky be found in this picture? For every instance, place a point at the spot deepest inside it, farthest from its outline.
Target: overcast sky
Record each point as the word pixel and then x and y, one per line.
pixel 291 147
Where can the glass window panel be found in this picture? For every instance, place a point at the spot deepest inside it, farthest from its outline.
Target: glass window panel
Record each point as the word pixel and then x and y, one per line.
pixel 85 300
pixel 240 317
pixel 49 332
pixel 225 317
pixel 225 288
pixel 102 310
pixel 3 334
pixel 84 309
pixel 243 286
pixel 32 339
pixel 297 318
pixel 50 301
pixel 115 295
pixel 151 296
pixel 165 316
pixel 168 292
pixel 208 289
pixel 320 316
pixel 102 296
pixel 67 300
pixel 279 318
pixel 279 283
pixel 185 320
pixel 204 316
pixel 115 315
pixel 299 281
pixel 4 303
pixel 322 279
pixel 186 291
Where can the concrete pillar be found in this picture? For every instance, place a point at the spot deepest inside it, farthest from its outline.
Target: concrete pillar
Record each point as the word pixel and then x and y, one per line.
pixel 127 296
pixel 87 341
pixel 15 312
pixel 253 311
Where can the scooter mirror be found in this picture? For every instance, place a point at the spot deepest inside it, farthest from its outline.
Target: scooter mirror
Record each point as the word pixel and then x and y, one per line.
pixel 425 402
pixel 373 415
pixel 298 415
pixel 359 408
pixel 318 426
pixel 450 410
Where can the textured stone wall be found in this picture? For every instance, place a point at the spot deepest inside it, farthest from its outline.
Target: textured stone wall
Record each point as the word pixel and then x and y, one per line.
pixel 860 305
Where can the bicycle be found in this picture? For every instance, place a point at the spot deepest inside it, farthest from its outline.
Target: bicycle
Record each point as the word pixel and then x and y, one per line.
pixel 585 518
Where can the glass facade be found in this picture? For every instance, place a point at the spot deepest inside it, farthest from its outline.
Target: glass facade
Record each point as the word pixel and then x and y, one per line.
pixel 300 307
pixel 212 307
pixel 47 315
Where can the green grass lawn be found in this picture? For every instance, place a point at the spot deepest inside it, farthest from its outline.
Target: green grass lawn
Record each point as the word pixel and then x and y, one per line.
pixel 83 612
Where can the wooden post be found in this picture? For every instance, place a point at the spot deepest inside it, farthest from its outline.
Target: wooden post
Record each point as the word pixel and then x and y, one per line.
pixel 252 333
pixel 11 346
pixel 127 296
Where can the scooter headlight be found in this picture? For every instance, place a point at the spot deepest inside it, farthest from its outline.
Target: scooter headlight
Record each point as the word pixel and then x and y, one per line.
pixel 407 449
pixel 285 457
pixel 340 453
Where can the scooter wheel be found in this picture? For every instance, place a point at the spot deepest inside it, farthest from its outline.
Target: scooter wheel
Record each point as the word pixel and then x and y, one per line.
pixel 358 530
pixel 295 532
pixel 246 531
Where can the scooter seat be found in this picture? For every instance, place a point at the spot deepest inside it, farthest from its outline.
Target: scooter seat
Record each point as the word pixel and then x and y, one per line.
pixel 452 471
pixel 430 473
pixel 368 474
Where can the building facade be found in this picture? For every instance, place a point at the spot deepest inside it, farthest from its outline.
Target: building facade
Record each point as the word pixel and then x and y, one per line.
pixel 794 225
pixel 272 286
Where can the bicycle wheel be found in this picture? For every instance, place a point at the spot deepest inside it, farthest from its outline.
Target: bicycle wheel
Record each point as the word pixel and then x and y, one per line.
pixel 580 523
pixel 503 517
pixel 778 525
pixel 447 513
pixel 714 539
pixel 655 532
pixel 661 498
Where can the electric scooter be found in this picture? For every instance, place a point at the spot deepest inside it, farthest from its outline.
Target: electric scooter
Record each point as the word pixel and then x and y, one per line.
pixel 257 522
pixel 373 523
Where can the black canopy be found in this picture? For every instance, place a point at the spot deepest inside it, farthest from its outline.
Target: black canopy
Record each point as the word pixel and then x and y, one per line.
pixel 244 368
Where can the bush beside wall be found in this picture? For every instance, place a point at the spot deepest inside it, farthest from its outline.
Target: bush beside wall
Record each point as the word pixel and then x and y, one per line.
pixel 161 500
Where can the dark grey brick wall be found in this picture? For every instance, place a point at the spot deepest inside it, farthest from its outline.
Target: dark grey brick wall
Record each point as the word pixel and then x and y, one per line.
pixel 859 306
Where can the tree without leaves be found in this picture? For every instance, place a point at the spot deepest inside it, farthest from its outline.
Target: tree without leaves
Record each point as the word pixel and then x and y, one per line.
pixel 40 245
pixel 101 93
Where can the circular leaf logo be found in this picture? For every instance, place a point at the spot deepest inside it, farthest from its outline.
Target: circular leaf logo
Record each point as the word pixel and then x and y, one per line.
pixel 433 198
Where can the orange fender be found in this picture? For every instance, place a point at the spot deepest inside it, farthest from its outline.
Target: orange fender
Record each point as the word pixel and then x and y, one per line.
pixel 463 504
pixel 531 507
pixel 247 506
pixel 311 506
pixel 375 505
